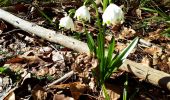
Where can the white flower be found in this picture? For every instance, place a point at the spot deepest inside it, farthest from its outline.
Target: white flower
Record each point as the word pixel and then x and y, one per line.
pixel 113 15
pixel 67 23
pixel 82 13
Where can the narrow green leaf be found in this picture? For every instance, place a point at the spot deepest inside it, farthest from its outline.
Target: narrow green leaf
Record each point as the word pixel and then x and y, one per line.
pixel 90 43
pixel 45 16
pixel 105 4
pixel 123 55
pixel 110 51
pixel 117 62
pixel 100 54
pixel 155 11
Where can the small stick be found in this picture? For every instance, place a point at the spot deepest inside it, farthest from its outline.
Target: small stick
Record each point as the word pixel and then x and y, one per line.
pixel 67 75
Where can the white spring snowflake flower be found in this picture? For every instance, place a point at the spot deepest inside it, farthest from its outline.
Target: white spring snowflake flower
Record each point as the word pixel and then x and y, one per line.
pixel 113 15
pixel 82 13
pixel 67 23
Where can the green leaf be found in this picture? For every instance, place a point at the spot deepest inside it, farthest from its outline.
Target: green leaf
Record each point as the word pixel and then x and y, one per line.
pixel 90 43
pixel 2 69
pixel 155 11
pixel 105 4
pixel 166 32
pixel 111 50
pixel 128 49
pixel 46 17
pixel 5 2
pixel 125 90
pixel 71 12
pixel 100 53
pixel 118 61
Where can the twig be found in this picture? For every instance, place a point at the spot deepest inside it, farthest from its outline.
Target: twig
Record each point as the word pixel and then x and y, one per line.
pixel 67 75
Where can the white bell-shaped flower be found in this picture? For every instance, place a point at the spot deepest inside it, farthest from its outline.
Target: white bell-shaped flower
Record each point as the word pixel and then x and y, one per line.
pixel 82 13
pixel 67 23
pixel 113 15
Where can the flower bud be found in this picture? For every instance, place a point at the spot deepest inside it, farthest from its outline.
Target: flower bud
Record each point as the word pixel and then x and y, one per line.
pixel 113 15
pixel 82 13
pixel 67 23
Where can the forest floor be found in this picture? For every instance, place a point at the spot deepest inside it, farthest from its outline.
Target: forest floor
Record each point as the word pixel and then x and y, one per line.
pixel 28 64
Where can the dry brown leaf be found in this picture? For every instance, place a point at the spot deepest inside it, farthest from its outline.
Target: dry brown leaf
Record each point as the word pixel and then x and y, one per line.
pixel 42 71
pixel 16 60
pixel 16 67
pixel 138 13
pixel 52 70
pixel 127 33
pixel 61 97
pixel 10 96
pixel 156 35
pixel 114 91
pixel 120 46
pixel 2 26
pixel 153 50
pixel 145 61
pixel 39 93
pixel 76 88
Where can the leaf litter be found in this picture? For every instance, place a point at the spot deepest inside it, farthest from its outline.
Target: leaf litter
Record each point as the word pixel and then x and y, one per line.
pixel 25 54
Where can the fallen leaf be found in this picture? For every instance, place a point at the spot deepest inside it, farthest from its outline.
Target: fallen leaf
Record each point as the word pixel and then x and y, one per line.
pixel 39 93
pixel 145 61
pixel 76 88
pixel 127 33
pixel 56 56
pixel 114 91
pixel 16 60
pixel 153 50
pixel 61 97
pixel 10 96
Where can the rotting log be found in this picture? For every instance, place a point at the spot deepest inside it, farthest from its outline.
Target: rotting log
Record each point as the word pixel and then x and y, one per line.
pixel 144 72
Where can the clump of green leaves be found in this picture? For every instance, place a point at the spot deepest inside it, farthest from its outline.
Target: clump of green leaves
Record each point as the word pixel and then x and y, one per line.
pixel 5 2
pixel 7 71
pixel 162 16
pixel 107 63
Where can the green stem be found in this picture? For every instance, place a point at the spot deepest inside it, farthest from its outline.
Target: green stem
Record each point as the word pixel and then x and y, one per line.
pixel 105 3
pixel 125 88
pixel 104 90
pixel 97 15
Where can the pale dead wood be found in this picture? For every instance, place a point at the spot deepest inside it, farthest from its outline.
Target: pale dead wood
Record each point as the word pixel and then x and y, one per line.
pixel 44 33
pixel 151 75
pixel 156 77
pixel 67 75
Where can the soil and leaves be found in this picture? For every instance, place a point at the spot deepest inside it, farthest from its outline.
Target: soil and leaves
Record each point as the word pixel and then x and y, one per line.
pixel 30 65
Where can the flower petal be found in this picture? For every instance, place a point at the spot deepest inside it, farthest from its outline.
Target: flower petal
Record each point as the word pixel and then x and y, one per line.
pixel 113 15
pixel 67 23
pixel 82 13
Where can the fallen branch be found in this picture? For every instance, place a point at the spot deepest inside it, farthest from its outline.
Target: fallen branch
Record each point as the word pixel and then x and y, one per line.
pixel 44 33
pixel 151 75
